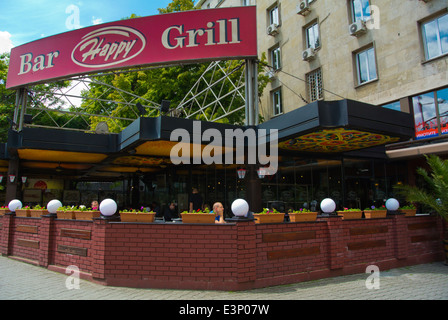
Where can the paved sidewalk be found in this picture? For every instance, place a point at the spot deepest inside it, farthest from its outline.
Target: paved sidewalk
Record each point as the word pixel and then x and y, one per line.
pixel 22 281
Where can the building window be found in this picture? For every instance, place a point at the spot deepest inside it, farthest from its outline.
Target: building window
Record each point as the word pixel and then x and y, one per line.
pixel 360 10
pixel 274 17
pixel 366 66
pixel 277 105
pixel 315 85
pixel 393 106
pixel 435 37
pixel 431 114
pixel 312 36
pixel 276 58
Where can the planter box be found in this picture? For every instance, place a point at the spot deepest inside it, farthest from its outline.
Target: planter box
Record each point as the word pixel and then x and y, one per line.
pixel 65 214
pixel 87 215
pixel 350 215
pixel 409 212
pixel 301 217
pixel 269 217
pixel 198 218
pixel 3 211
pixel 38 213
pixel 137 217
pixel 375 214
pixel 23 213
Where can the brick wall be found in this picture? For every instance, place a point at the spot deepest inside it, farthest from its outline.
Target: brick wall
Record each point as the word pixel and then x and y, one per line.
pixel 234 256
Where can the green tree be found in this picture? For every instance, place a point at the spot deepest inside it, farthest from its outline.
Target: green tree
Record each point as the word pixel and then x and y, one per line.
pixel 168 83
pixel 435 195
pixel 177 6
pixel 7 99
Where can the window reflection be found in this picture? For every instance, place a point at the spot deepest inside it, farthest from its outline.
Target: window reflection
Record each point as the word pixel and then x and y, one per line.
pixel 430 113
pixel 425 117
pixel 366 65
pixel 435 36
pixel 360 10
pixel 442 102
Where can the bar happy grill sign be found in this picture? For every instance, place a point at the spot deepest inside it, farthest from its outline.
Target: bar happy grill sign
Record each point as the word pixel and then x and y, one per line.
pixel 192 36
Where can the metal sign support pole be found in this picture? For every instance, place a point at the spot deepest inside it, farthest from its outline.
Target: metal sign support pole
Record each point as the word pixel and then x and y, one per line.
pixel 251 92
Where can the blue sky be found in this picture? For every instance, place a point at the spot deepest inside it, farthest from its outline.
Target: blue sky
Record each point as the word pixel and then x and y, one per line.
pixel 22 21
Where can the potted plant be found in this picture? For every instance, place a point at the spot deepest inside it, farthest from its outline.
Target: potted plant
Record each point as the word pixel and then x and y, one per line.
pixel 199 216
pixel 134 215
pixel 84 213
pixel 409 210
pixel 4 210
pixel 375 213
pixel 37 211
pixel 65 212
pixel 302 215
pixel 269 216
pixel 435 194
pixel 350 214
pixel 23 212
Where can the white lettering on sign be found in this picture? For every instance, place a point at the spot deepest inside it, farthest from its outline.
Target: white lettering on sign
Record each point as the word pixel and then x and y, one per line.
pixel 41 62
pixel 108 46
pixel 175 37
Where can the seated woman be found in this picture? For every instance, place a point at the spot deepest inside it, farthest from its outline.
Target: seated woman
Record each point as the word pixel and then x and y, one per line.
pixel 218 210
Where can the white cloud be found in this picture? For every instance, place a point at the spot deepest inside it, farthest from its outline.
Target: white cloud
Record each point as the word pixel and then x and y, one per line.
pixel 5 42
pixel 96 21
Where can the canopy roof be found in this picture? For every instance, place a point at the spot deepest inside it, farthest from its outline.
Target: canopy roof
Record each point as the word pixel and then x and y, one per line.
pixel 322 128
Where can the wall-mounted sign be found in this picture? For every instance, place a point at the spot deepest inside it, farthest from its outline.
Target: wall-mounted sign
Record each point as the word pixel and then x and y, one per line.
pixel 191 36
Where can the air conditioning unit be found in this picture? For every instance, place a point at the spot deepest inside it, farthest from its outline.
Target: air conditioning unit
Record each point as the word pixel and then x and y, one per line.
pixel 308 54
pixel 303 8
pixel 358 28
pixel 272 29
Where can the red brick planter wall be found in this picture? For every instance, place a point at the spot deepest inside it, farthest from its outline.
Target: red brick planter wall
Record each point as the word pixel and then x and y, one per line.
pixel 234 256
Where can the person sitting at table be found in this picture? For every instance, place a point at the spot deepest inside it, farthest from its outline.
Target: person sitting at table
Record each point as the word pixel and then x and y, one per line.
pixel 170 212
pixel 95 205
pixel 218 210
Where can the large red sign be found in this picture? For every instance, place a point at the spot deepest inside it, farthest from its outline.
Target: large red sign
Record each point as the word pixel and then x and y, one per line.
pixel 198 35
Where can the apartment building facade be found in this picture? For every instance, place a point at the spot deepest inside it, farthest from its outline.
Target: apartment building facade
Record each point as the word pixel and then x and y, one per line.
pixel 380 52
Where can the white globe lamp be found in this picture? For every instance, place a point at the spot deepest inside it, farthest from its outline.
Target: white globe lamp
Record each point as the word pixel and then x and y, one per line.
pixel 53 206
pixel 392 204
pixel 108 207
pixel 14 205
pixel 240 208
pixel 328 206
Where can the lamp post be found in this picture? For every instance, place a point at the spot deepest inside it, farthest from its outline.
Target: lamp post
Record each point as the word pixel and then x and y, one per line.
pixel 328 206
pixel 240 209
pixel 14 205
pixel 392 206
pixel 53 206
pixel 108 209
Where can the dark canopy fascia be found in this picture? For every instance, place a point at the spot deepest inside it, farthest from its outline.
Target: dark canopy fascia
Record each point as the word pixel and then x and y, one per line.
pixel 342 114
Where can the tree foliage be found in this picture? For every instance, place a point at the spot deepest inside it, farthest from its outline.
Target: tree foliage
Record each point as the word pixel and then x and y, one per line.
pixel 167 83
pixel 7 99
pixel 177 6
pixel 435 196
